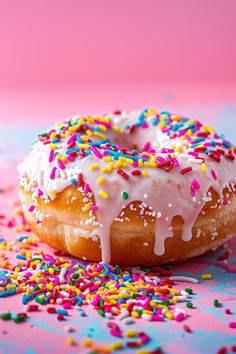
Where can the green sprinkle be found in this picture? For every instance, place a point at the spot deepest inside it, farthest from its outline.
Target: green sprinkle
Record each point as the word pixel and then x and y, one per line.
pixel 6 316
pixel 216 303
pixel 101 312
pixel 167 266
pixel 75 275
pixel 19 319
pixel 44 134
pixel 189 305
pixel 189 291
pixel 117 269
pixel 125 195
pixel 39 301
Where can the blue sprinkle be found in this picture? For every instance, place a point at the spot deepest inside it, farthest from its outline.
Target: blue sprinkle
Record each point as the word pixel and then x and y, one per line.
pixel 2 239
pixel 61 312
pixel 155 121
pixel 20 256
pixel 198 140
pixel 55 140
pixel 3 276
pixel 226 144
pixel 73 182
pixel 8 293
pixel 82 313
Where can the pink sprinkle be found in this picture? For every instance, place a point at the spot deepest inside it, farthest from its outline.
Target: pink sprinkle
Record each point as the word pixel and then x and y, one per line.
pixel 115 333
pixel 61 164
pixel 179 317
pixel 193 190
pixel 95 151
pixel 96 300
pixel 106 124
pixel 94 207
pixel 192 153
pixel 40 193
pixel 189 140
pixel 31 208
pixel 135 164
pixel 225 202
pixel 70 158
pixel 196 184
pixel 146 146
pixel 232 325
pixel 51 156
pixel 86 188
pixel 53 173
pixel 157 318
pixel 213 173
pixel 71 139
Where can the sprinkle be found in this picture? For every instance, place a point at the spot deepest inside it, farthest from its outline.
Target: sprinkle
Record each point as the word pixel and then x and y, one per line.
pixel 70 341
pixel 53 173
pixel 53 193
pixel 203 167
pixel 125 195
pixel 86 188
pixel 206 276
pixel 100 180
pixel 184 278
pixel 61 164
pixel 186 170
pixel 122 173
pixel 189 305
pixel 216 303
pixel 213 173
pixel 31 208
pixel 232 325
pixel 103 194
pixel 93 167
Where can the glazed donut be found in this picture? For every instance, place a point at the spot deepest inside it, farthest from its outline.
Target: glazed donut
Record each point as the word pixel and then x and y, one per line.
pixel 130 188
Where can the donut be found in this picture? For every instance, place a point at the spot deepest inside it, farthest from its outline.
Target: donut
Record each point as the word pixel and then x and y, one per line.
pixel 130 188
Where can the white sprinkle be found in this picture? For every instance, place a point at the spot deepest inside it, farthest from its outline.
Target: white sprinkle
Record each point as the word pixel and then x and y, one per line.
pixel 183 278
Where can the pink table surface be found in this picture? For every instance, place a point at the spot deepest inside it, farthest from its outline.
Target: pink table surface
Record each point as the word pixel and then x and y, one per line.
pixel 42 333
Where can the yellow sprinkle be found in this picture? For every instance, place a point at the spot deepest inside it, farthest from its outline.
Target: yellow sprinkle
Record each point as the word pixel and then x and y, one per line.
pixel 103 194
pixel 143 351
pixel 117 128
pixel 53 193
pixel 206 276
pixel 116 346
pixel 63 159
pixel 87 206
pixel 148 312
pixel 100 180
pixel 110 166
pixel 152 111
pixel 70 341
pixel 145 173
pixel 130 333
pixel 83 146
pixel 178 149
pixel 72 129
pixel 49 287
pixel 204 167
pixel 175 299
pixel 131 287
pixel 51 270
pixel 169 315
pixel 107 158
pixel 11 286
pixel 87 342
pixel 99 135
pixel 17 269
pixel 182 137
pixel 52 146
pixel 93 167
pixel 101 127
pixel 140 162
pixel 53 135
pixel 135 314
pixel 118 164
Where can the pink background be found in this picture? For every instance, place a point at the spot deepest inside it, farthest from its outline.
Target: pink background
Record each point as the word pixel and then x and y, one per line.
pixel 59 58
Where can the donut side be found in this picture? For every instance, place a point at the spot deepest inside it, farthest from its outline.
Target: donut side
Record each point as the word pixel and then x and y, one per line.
pixel 64 227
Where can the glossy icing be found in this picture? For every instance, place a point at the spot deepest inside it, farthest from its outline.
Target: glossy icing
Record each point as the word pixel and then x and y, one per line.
pixel 167 194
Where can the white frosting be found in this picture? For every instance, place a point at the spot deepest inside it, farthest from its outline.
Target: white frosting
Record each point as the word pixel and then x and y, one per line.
pixel 167 193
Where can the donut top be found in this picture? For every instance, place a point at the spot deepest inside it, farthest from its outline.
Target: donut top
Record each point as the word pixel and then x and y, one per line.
pixel 166 162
